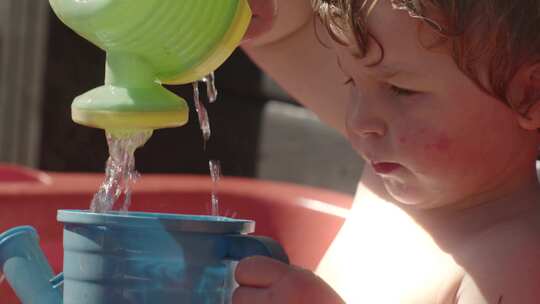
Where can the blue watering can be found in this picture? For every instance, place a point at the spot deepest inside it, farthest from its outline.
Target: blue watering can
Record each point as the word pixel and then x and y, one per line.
pixel 133 257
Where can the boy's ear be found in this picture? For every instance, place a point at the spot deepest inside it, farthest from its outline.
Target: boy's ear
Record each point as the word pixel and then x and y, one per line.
pixel 531 120
pixel 524 96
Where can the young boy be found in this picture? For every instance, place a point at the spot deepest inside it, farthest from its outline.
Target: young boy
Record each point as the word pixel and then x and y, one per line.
pixel 441 98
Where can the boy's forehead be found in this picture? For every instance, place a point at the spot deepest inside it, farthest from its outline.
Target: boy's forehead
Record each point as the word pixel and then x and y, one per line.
pixel 399 46
pixel 401 42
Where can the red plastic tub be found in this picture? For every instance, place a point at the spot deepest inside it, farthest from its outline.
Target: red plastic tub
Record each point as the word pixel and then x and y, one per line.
pixel 304 220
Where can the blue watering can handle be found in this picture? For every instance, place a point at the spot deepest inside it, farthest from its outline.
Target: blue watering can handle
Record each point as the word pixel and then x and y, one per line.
pixel 58 281
pixel 243 246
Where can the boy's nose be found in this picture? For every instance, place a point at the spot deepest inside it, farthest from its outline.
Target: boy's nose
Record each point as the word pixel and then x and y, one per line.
pixel 367 128
pixel 360 122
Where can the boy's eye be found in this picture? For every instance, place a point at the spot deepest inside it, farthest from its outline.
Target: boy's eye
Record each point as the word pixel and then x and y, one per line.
pixel 394 89
pixel 348 81
pixel 401 92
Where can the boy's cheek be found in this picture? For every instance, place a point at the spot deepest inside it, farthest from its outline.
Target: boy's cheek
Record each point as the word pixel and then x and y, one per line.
pixel 441 144
pixel 436 150
pixel 427 141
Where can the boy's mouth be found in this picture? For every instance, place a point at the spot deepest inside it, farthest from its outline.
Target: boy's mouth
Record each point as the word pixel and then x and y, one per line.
pixel 384 167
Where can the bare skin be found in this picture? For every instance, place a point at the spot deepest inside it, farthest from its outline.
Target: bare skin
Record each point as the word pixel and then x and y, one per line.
pixel 291 54
pixel 458 222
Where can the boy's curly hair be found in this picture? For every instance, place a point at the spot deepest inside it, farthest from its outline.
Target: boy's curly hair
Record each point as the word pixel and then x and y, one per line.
pixel 502 35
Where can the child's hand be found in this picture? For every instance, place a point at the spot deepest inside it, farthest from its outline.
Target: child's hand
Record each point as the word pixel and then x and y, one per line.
pixel 267 281
pixel 275 19
pixel 264 12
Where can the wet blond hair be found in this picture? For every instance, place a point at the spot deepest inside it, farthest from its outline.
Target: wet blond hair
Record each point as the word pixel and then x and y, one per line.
pixel 500 35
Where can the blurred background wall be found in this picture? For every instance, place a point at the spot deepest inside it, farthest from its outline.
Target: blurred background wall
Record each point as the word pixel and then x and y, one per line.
pixel 257 129
pixel 23 38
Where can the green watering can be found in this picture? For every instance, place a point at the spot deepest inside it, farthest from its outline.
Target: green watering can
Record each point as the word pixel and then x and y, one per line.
pixel 149 43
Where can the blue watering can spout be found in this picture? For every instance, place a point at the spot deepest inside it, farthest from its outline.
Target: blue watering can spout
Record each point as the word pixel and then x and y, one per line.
pixel 26 268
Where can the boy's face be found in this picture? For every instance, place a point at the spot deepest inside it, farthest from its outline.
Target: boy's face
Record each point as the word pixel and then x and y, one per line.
pixel 433 136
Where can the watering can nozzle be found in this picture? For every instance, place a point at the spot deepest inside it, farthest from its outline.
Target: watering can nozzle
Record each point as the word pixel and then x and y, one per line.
pixel 26 269
pixel 150 42
pixel 130 99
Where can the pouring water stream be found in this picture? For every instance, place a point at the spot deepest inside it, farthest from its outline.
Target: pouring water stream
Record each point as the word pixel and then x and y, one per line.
pixel 120 173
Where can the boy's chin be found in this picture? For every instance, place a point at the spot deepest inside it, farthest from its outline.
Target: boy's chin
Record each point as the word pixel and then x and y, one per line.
pixel 410 196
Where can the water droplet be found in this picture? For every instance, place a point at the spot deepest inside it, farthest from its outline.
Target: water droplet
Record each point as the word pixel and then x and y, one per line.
pixel 202 114
pixel 211 90
pixel 215 173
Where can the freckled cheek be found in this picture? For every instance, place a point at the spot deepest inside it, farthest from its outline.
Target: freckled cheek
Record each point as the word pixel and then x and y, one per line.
pixel 440 144
pixel 426 143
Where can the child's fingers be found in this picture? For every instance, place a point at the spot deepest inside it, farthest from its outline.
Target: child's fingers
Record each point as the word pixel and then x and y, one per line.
pixel 260 271
pixel 263 15
pixel 250 295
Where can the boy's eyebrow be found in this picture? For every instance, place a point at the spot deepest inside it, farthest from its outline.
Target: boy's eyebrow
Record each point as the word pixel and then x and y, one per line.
pixel 386 71
pixel 383 71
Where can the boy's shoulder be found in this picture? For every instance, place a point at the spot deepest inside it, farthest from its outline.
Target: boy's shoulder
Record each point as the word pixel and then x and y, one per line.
pixel 503 263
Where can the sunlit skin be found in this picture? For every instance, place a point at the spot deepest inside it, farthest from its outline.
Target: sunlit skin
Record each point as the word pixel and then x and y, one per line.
pixel 448 211
pixel 456 144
